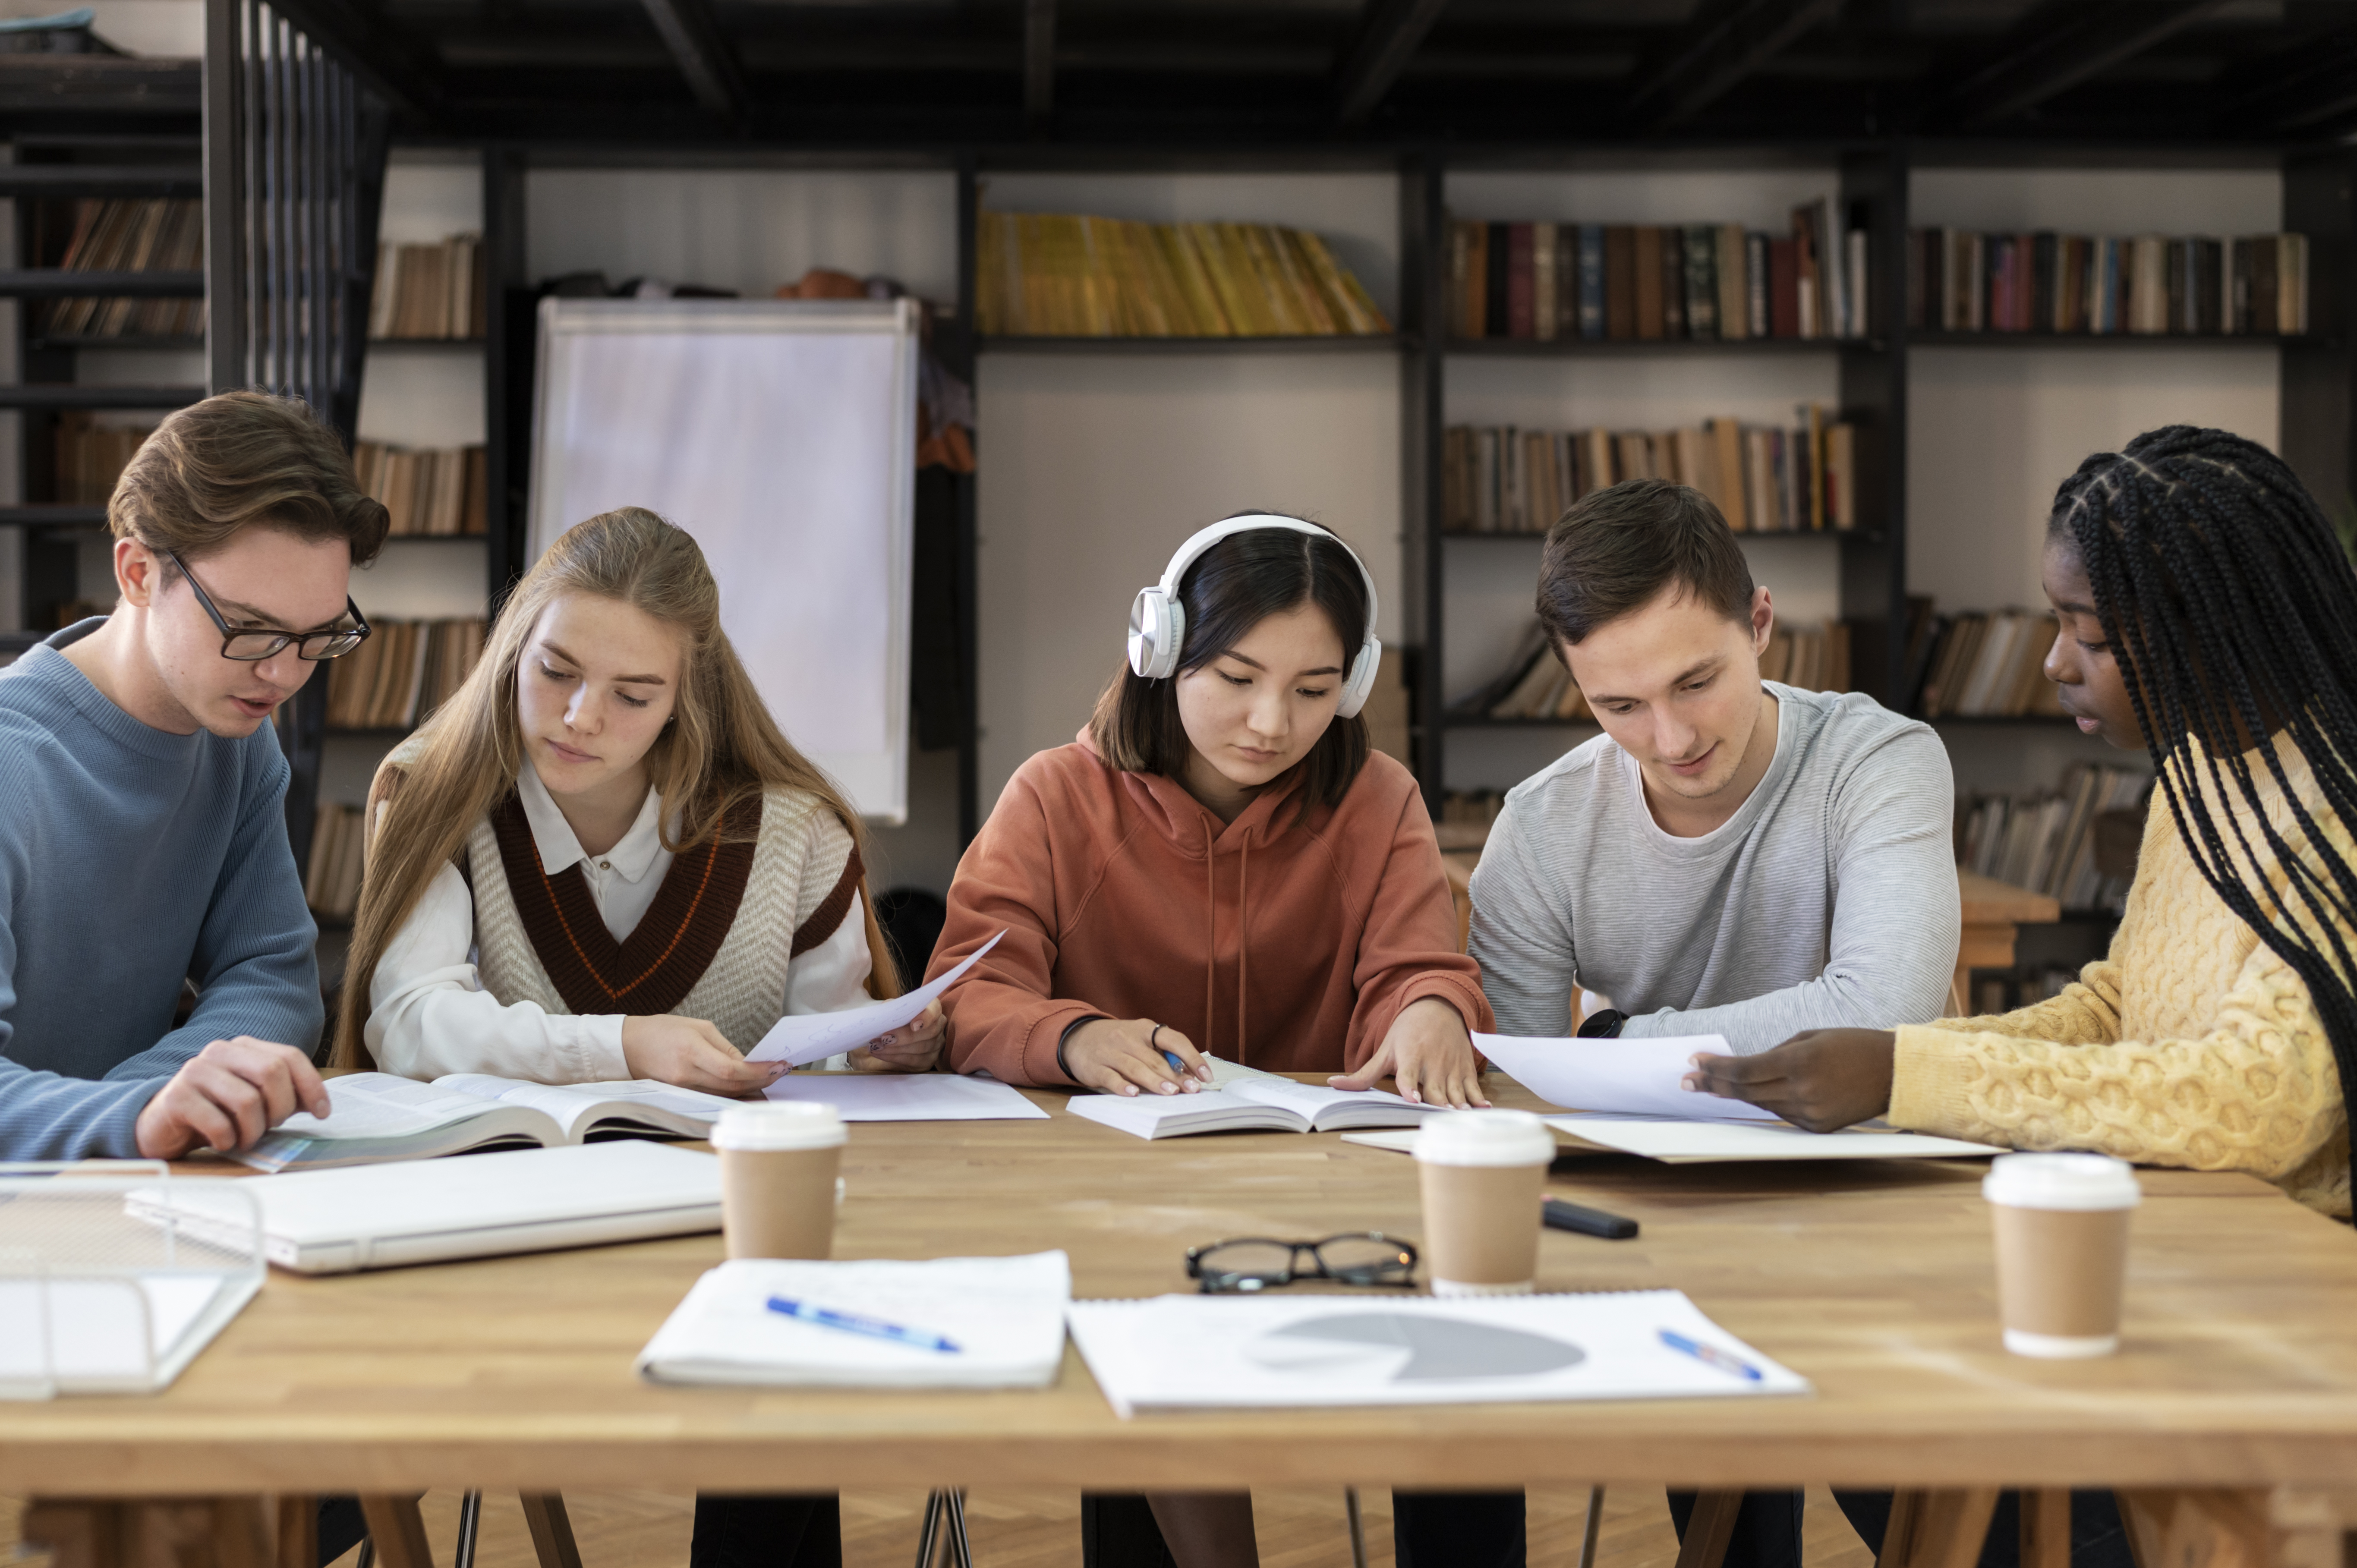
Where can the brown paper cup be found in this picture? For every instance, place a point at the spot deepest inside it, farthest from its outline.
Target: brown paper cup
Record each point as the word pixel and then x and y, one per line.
pixel 778 1181
pixel 2061 1225
pixel 1482 1173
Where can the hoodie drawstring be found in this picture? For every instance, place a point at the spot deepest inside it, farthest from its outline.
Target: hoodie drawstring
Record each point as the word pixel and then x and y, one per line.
pixel 1210 934
pixel 1244 937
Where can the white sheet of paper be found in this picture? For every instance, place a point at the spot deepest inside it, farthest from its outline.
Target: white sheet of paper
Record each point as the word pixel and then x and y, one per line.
pixel 1626 1077
pixel 1704 1142
pixel 807 1037
pixel 909 1097
pixel 85 1330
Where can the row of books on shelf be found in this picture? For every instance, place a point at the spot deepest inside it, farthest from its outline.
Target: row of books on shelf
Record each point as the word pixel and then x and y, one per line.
pixel 1535 686
pixel 331 879
pixel 428 490
pixel 1979 663
pixel 2052 842
pixel 1696 281
pixel 2153 284
pixel 1504 479
pixel 118 235
pixel 1059 275
pixel 403 671
pixel 90 456
pixel 433 291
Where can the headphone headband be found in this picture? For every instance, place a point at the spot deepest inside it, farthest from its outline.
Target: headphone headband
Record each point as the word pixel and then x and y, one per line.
pixel 1157 621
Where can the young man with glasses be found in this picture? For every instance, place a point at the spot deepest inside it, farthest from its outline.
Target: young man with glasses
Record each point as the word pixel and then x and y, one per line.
pixel 142 832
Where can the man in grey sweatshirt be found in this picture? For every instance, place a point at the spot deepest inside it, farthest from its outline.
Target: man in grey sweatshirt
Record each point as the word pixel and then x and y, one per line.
pixel 142 835
pixel 1731 856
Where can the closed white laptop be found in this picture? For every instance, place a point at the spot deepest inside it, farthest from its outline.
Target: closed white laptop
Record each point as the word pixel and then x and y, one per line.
pixel 472 1206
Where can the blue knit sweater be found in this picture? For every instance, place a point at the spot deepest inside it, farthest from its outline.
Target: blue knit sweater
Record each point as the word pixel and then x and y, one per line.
pixel 130 858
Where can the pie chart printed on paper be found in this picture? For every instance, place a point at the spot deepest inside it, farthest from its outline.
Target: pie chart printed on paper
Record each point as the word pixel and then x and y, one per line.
pixel 1404 1348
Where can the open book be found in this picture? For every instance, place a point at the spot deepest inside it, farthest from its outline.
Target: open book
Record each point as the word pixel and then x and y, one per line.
pixel 377 1116
pixel 1248 1100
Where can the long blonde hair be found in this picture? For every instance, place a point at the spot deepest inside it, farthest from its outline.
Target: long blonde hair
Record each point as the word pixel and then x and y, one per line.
pixel 721 748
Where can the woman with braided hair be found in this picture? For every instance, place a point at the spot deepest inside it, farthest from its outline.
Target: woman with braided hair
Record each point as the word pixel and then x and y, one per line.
pixel 2209 615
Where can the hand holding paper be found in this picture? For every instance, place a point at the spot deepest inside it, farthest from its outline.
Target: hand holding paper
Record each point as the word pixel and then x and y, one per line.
pixel 807 1037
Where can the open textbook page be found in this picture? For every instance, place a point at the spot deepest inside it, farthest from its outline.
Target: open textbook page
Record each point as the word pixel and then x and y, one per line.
pixel 1621 1078
pixel 379 1116
pixel 909 1096
pixel 806 1037
pixel 1248 1100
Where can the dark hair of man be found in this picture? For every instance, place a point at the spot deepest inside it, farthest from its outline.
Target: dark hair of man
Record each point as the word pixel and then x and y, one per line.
pixel 239 461
pixel 1616 549
pixel 2232 609
pixel 1232 589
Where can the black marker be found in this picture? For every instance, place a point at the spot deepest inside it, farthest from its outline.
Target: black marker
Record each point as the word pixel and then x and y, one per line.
pixel 1562 1216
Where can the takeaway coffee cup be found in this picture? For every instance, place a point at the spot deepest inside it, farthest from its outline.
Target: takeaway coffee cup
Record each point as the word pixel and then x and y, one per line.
pixel 2062 1250
pixel 778 1181
pixel 1483 1175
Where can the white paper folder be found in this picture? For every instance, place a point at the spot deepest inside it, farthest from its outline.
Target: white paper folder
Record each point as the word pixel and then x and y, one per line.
pixel 474 1206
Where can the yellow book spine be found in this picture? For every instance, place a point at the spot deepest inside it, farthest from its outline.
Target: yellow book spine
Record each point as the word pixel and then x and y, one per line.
pixel 1232 279
pixel 1268 280
pixel 1301 284
pixel 1142 314
pixel 1348 303
pixel 1187 265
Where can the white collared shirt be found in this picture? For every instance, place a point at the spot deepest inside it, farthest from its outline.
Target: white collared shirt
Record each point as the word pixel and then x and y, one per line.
pixel 429 1014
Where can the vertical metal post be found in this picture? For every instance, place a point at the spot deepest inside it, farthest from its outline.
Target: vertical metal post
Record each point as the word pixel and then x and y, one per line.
pixel 224 125
pixel 960 355
pixel 1424 323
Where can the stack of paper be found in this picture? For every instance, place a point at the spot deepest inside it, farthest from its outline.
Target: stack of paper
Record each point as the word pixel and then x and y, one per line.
pixel 971 1323
pixel 1177 1352
pixel 1628 1078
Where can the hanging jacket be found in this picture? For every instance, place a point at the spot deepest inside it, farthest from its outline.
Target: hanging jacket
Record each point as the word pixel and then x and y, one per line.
pixel 1284 939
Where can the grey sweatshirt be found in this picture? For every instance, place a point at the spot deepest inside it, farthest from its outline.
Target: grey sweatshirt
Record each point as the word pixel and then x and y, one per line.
pixel 1828 901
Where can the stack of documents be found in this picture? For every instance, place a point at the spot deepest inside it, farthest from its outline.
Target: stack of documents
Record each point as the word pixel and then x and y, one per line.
pixel 967 1322
pixel 1181 1352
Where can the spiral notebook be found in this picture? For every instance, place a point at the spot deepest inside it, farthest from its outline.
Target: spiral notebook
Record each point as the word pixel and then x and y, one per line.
pixel 1197 1352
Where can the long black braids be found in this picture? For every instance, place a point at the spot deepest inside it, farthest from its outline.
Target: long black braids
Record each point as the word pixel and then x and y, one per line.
pixel 2232 612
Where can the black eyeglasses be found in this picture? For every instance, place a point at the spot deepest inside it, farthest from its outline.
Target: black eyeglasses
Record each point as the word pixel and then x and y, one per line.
pixel 1248 1264
pixel 251 647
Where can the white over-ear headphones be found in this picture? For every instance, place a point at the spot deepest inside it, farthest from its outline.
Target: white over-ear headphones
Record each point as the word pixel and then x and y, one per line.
pixel 1157 621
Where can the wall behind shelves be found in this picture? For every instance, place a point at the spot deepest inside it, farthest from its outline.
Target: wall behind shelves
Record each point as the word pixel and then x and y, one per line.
pixel 1993 431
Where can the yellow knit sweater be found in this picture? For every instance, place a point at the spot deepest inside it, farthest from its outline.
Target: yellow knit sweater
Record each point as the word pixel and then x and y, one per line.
pixel 2192 1045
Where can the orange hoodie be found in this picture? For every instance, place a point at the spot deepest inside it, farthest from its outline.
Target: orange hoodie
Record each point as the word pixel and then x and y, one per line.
pixel 1289 945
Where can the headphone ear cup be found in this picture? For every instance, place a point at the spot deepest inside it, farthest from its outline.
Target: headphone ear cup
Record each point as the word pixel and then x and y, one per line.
pixel 1359 683
pixel 1156 631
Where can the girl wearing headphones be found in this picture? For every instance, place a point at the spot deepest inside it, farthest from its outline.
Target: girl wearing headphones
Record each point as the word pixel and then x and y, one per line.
pixel 1219 864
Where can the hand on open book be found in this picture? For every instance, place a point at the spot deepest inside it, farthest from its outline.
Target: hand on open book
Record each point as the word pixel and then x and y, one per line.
pixel 913 1047
pixel 1123 1056
pixel 227 1096
pixel 1819 1079
pixel 692 1053
pixel 1427 1052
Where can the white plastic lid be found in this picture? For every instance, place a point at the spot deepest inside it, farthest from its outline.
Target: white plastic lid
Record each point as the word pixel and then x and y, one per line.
pixel 779 1124
pixel 2061 1181
pixel 1484 1138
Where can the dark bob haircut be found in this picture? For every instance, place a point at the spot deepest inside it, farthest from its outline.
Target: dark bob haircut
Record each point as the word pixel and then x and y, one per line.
pixel 1232 589
pixel 1616 549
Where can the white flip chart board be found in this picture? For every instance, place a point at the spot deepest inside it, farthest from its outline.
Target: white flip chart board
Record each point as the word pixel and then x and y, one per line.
pixel 782 435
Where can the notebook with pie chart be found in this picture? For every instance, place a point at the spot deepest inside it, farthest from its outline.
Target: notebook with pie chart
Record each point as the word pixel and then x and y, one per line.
pixel 1192 1352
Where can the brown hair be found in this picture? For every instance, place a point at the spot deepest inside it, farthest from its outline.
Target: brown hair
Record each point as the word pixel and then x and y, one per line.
pixel 721 748
pixel 1616 549
pixel 241 459
pixel 1231 589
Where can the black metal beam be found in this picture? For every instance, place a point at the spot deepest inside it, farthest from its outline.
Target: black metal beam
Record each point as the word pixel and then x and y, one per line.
pixel 1389 32
pixel 2065 44
pixel 1724 46
pixel 2301 89
pixel 388 62
pixel 1038 62
pixel 692 34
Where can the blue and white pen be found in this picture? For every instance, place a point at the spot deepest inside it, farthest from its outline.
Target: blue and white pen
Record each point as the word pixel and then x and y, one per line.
pixel 852 1322
pixel 1710 1354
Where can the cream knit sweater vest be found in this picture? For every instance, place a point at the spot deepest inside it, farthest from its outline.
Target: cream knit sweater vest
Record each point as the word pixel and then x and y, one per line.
pixel 797 861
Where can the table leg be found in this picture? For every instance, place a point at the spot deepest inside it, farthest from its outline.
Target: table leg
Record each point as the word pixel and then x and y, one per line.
pixel 552 1529
pixel 1709 1529
pixel 2209 1527
pixel 2046 1528
pixel 1942 1529
pixel 398 1529
pixel 298 1530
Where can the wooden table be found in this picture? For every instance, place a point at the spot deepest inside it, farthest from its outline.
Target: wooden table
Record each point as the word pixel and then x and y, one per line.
pixel 1994 914
pixel 2239 1368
